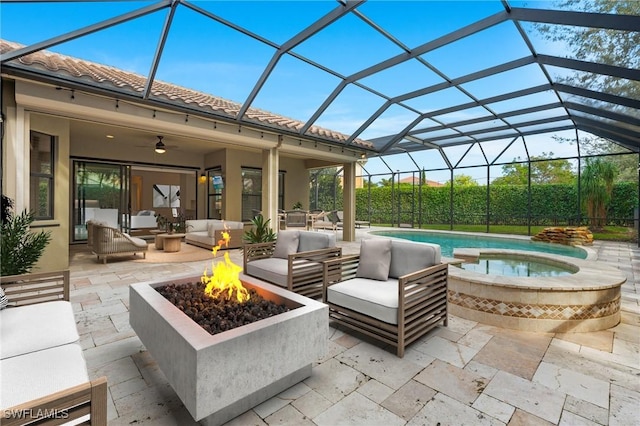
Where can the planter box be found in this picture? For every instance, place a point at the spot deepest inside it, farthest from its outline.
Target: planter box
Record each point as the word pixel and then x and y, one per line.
pixel 219 377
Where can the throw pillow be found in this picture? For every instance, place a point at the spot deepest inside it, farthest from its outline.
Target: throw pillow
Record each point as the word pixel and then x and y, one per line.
pixel 408 257
pixel 3 299
pixel 286 244
pixel 375 259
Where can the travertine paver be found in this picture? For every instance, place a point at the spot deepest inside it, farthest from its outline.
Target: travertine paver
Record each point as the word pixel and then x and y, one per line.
pixel 357 410
pixel 447 411
pixel 531 397
pixel 463 385
pixel 581 386
pixel 516 378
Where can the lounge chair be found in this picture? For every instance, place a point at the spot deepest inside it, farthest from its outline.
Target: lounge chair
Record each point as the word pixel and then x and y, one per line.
pixel 105 241
pixel 358 223
pixel 326 220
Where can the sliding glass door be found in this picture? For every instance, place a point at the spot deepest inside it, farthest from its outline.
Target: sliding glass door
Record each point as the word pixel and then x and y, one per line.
pixel 101 193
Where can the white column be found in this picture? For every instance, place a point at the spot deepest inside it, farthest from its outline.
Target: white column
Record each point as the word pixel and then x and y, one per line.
pixel 270 165
pixel 16 166
pixel 349 202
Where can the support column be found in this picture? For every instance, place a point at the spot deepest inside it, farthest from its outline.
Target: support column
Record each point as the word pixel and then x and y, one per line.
pixel 270 166
pixel 17 154
pixel 349 202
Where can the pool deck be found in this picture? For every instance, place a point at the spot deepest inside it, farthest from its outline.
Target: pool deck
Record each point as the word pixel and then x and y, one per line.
pixel 467 373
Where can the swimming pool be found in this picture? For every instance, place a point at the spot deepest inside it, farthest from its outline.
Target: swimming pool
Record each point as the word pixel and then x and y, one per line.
pixel 449 241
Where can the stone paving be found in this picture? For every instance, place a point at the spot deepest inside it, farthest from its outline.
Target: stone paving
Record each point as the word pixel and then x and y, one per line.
pixel 465 374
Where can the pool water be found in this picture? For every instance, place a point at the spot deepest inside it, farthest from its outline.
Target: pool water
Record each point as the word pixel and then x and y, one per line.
pixel 518 267
pixel 449 241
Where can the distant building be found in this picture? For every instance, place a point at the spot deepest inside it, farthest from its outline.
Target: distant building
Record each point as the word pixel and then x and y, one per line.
pixel 416 181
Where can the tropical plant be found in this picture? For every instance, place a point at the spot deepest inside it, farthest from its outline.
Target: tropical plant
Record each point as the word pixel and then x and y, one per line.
pixel 20 248
pixel 596 188
pixel 260 232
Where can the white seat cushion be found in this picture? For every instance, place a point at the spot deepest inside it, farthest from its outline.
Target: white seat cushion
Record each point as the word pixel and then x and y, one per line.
pixel 273 269
pixel 41 373
pixel 377 299
pixel 35 327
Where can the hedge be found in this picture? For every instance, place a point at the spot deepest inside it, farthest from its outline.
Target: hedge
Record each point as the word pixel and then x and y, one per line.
pixel 551 204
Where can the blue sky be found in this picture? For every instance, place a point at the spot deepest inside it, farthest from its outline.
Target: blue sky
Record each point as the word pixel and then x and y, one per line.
pixel 206 56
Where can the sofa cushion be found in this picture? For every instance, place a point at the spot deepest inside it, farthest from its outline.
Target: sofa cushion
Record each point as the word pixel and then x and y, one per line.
pixel 286 244
pixel 273 269
pixel 407 257
pixel 315 241
pixel 200 237
pixel 214 226
pixel 375 258
pixel 35 327
pixel 196 225
pixel 377 299
pixel 41 378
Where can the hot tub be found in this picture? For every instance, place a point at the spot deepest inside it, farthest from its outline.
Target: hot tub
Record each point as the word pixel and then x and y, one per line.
pixel 585 300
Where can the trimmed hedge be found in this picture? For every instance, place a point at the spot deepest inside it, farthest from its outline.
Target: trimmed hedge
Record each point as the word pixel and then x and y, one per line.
pixel 551 204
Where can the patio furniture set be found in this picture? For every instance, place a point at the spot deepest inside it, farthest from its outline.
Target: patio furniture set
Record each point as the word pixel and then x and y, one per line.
pixel 44 375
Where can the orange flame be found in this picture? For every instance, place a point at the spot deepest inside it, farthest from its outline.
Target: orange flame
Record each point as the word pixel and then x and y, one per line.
pixel 224 281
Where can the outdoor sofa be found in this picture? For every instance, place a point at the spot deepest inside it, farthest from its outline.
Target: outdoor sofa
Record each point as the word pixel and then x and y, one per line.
pixel 207 233
pixel 293 261
pixel 392 291
pixel 44 375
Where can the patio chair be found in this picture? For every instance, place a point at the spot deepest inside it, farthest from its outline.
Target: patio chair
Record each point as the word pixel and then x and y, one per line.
pixel 394 292
pixel 296 219
pixel 326 220
pixel 105 241
pixel 358 223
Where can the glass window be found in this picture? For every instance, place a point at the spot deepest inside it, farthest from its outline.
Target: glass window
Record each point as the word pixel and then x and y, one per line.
pixel 41 178
pixel 252 192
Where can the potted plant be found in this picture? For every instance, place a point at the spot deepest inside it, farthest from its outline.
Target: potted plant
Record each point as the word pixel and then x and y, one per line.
pixel 20 248
pixel 297 205
pixel 260 232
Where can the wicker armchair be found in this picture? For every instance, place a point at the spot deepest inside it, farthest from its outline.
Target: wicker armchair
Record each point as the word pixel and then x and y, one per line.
pixel 105 241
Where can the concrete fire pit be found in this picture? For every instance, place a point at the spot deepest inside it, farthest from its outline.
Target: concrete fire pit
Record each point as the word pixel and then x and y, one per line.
pixel 220 376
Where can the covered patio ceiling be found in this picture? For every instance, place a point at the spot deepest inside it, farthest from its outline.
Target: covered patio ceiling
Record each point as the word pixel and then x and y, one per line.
pixel 463 73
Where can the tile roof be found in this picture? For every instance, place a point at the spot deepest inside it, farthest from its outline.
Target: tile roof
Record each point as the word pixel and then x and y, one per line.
pixel 105 76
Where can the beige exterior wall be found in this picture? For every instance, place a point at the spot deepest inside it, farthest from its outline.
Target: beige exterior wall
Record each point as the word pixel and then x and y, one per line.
pixel 31 106
pixel 56 255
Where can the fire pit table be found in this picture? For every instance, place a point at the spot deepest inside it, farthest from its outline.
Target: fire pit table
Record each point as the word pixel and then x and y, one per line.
pixel 220 376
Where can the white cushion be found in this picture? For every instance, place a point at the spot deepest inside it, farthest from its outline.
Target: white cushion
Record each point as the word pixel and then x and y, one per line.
pixel 35 327
pixel 200 237
pixel 212 227
pixel 41 373
pixel 407 257
pixel 375 258
pixel 286 244
pixel 275 270
pixel 196 225
pixel 377 299
pixel 315 241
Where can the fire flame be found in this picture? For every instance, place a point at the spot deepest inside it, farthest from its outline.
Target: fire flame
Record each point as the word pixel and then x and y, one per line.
pixel 224 281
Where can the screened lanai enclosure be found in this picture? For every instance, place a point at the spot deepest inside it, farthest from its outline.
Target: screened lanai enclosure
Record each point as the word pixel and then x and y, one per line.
pixel 482 112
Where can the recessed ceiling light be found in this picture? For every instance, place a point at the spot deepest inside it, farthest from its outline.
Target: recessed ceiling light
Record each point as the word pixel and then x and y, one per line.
pixel 110 136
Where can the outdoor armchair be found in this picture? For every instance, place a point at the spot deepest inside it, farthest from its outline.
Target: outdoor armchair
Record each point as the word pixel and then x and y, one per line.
pixel 394 292
pixel 296 219
pixel 105 241
pixel 294 261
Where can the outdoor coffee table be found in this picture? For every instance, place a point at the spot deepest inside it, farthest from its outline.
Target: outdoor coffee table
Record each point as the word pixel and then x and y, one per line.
pixel 169 242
